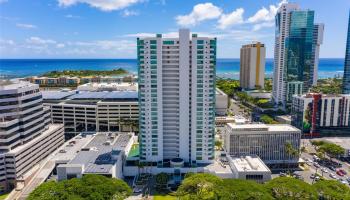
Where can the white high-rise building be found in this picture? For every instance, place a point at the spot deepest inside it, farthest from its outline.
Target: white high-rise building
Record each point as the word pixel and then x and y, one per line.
pixel 26 135
pixel 297 44
pixel 177 98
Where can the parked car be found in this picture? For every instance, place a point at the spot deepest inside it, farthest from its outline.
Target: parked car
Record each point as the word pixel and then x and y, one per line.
pixel 344 182
pixel 316 165
pixel 312 176
pixel 332 176
pixel 340 173
pixel 316 158
pixel 348 179
pixel 282 174
pixel 324 170
pixel 333 168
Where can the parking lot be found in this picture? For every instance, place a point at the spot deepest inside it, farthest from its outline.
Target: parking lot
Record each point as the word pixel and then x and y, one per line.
pixel 328 169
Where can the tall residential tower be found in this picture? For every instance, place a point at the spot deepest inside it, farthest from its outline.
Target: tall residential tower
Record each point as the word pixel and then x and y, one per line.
pixel 346 78
pixel 297 42
pixel 252 66
pixel 177 98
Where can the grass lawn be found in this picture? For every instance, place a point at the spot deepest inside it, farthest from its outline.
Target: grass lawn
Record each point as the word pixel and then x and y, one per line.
pixel 163 197
pixel 3 196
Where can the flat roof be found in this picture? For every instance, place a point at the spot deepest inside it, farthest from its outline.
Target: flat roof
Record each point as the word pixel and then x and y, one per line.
pixel 97 155
pixel 220 92
pixel 106 95
pixel 263 127
pixel 56 95
pixel 14 84
pixel 103 95
pixel 249 163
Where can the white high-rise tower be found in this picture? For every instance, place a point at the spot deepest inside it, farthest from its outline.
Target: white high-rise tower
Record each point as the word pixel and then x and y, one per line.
pixel 177 98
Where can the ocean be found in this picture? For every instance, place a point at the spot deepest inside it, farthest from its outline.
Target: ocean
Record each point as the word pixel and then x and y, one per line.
pixel 226 68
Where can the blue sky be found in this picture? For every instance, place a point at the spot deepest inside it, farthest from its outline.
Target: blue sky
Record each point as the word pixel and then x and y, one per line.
pixel 108 28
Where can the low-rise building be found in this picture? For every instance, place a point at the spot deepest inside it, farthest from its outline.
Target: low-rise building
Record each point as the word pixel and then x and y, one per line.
pixel 223 120
pixel 75 81
pixel 266 141
pixel 221 103
pixel 104 155
pixel 249 168
pixel 108 87
pixel 93 111
pixel 284 119
pixel 321 115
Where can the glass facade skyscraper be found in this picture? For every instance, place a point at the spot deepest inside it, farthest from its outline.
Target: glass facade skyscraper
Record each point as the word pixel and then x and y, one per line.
pixel 346 78
pixel 299 50
pixel 297 43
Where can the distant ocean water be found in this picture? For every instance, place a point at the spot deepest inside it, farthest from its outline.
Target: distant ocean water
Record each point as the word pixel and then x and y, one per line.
pixel 226 68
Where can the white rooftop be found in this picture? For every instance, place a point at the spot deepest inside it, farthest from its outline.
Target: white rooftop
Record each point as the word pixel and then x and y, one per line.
pixel 14 84
pixel 249 163
pixel 263 127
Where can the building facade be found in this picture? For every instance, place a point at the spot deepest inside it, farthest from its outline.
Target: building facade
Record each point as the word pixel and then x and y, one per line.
pixel 297 44
pixel 266 141
pixel 346 77
pixel 252 66
pixel 93 111
pixel 177 98
pixel 27 136
pixel 221 103
pixel 317 114
pixel 249 168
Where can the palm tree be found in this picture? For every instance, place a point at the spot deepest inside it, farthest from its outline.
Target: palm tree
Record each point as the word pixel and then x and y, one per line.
pixel 140 166
pixel 290 151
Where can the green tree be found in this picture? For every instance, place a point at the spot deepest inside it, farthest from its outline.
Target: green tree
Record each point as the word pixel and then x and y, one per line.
pixel 290 150
pixel 89 187
pixel 228 86
pixel 231 189
pixel 328 86
pixel 161 181
pixel 199 186
pixel 218 144
pixel 332 150
pixel 331 189
pixel 286 188
pixel 267 119
pixel 268 84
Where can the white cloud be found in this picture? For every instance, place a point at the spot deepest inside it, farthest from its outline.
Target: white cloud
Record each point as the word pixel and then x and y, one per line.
pixel 72 16
pixel 3 1
pixel 39 41
pixel 257 27
pixel 143 35
pixel 128 13
pixel 264 15
pixel 60 45
pixel 26 26
pixel 233 18
pixel 104 5
pixel 6 42
pixel 200 12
